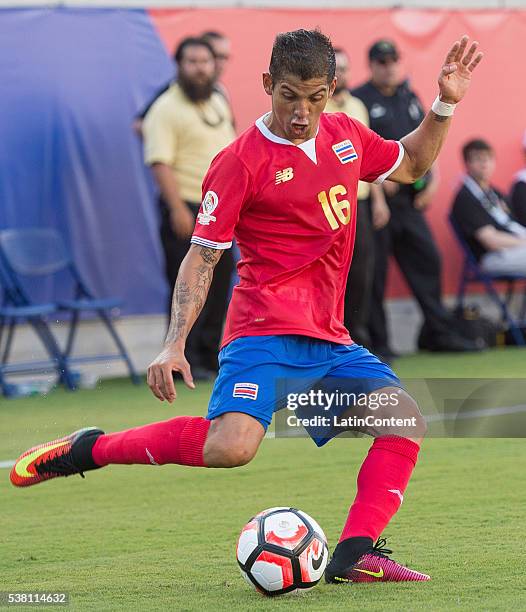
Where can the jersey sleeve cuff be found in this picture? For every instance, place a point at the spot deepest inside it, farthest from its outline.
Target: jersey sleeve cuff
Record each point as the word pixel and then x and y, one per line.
pixel 210 243
pixel 385 175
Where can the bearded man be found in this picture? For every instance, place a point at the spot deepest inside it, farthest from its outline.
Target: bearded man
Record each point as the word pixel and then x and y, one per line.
pixel 183 131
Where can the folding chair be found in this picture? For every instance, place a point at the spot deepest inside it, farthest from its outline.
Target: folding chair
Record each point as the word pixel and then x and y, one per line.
pixel 35 316
pixel 472 273
pixel 41 252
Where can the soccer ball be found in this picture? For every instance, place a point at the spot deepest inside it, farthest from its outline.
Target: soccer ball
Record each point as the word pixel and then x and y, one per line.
pixel 282 550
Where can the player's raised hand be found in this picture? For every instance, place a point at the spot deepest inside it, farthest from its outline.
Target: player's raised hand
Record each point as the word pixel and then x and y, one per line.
pixel 160 373
pixel 456 72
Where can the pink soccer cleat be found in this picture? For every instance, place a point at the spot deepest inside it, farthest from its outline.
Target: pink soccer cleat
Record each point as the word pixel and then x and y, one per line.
pixel 373 566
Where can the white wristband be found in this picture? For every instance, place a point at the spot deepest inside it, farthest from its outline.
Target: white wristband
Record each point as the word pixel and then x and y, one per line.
pixel 443 108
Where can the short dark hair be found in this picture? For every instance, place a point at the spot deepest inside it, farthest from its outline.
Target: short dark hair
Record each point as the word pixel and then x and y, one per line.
pixel 191 41
pixel 472 146
pixel 307 54
pixel 212 35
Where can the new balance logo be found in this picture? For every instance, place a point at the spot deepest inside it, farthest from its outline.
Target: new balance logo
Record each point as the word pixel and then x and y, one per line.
pixel 282 176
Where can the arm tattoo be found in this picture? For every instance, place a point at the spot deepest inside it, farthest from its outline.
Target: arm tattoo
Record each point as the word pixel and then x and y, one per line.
pixel 439 118
pixel 191 295
pixel 210 256
pixel 203 278
pixel 179 317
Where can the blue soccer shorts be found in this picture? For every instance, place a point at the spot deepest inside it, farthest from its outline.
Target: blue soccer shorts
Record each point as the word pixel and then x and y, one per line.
pixel 258 373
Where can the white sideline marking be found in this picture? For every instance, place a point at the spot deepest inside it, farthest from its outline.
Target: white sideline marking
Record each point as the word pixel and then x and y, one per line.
pixel 475 414
pixel 432 418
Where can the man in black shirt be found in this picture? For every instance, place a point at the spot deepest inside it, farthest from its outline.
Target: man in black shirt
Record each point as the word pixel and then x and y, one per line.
pixel 497 241
pixel 394 111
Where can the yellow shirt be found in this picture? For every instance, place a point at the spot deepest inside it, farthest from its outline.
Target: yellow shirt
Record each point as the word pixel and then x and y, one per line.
pixel 356 109
pixel 186 135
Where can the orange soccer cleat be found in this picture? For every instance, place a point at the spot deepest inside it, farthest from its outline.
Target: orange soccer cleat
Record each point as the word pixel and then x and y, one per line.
pixel 62 457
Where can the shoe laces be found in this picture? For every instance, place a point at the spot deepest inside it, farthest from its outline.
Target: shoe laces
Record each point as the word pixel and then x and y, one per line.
pixel 378 549
pixel 59 465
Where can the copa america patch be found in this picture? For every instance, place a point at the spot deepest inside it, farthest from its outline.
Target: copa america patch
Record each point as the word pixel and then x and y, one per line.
pixel 345 151
pixel 246 390
pixel 210 202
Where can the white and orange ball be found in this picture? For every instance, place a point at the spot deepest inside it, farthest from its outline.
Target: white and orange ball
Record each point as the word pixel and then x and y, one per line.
pixel 282 550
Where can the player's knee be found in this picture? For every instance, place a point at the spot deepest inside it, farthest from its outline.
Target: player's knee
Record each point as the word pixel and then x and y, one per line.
pixel 228 451
pixel 421 426
pixel 400 418
pixel 233 440
pixel 418 422
pixel 239 455
pixel 231 454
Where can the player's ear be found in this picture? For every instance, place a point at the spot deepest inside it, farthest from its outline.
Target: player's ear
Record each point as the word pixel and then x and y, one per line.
pixel 267 83
pixel 332 87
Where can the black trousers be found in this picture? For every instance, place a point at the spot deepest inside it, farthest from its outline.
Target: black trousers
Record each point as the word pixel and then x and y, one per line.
pixel 408 238
pixel 358 293
pixel 202 345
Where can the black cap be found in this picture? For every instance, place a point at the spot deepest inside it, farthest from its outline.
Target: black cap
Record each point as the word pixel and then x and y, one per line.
pixel 382 49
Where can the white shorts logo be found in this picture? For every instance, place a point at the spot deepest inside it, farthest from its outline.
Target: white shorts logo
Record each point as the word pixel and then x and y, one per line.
pixel 246 390
pixel 210 202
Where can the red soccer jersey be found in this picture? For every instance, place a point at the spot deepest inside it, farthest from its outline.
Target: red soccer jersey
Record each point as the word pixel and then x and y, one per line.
pixel 292 210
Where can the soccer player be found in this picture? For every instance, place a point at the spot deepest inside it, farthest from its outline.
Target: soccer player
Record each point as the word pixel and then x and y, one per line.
pixel 286 189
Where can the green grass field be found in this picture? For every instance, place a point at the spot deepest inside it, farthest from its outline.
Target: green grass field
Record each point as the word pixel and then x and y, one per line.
pixel 145 538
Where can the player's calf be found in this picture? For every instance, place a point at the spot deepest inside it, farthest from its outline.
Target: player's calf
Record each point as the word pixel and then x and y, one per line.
pixel 230 440
pixel 381 484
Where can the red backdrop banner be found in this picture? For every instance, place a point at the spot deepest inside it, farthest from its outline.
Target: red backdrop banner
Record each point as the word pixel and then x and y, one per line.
pixel 494 108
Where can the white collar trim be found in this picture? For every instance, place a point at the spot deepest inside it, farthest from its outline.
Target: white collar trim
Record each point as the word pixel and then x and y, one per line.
pixel 308 147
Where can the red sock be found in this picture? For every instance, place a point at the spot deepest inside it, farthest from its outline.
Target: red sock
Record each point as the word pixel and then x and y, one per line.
pixel 179 440
pixel 382 480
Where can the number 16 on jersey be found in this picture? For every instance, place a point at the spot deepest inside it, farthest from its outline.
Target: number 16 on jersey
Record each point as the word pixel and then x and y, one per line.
pixel 335 209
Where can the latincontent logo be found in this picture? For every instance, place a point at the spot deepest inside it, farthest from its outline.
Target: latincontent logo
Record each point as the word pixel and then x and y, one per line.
pixel 344 410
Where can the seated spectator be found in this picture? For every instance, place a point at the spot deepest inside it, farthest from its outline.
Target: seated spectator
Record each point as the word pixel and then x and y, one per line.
pixel 518 191
pixel 496 239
